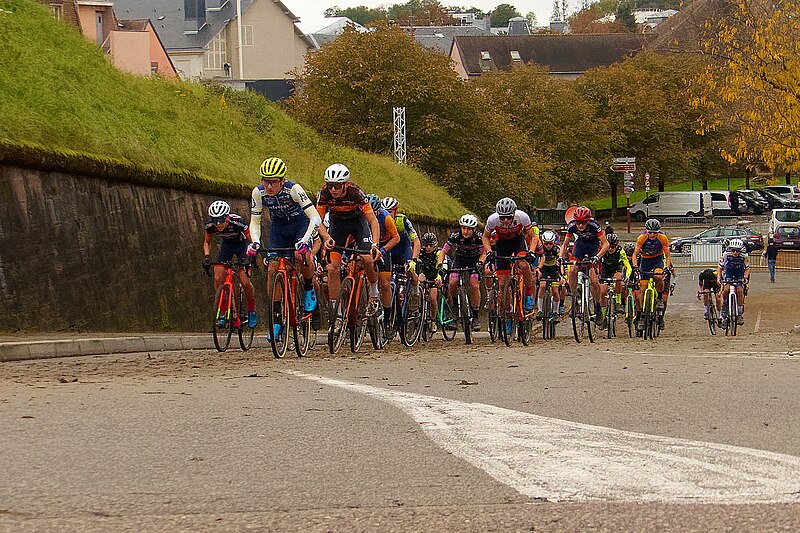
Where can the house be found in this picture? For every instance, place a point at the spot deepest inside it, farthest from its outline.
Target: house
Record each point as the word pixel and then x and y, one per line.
pixel 329 29
pixel 239 41
pixel 132 45
pixel 440 38
pixel 567 56
pixel 687 29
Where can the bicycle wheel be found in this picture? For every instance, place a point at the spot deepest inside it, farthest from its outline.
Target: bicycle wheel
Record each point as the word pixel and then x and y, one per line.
pixel 733 312
pixel 507 313
pixel 358 329
pixel 577 311
pixel 448 325
pixel 589 318
pixel 340 315
pixel 547 304
pixel 222 334
pixel 244 331
pixel 302 331
pixel 712 316
pixel 425 319
pixel 466 313
pixel 279 317
pixel 630 313
pixel 392 325
pixel 611 316
pixel 525 328
pixel 413 318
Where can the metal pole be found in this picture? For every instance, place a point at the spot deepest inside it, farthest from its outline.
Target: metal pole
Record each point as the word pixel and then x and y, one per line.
pixel 628 208
pixel 239 25
pixel 399 134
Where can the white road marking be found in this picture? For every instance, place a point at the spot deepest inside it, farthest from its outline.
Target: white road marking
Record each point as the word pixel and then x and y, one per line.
pixel 566 461
pixel 758 322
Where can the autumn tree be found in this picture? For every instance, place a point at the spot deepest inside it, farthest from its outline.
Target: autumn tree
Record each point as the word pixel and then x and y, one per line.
pixel 587 21
pixel 361 14
pixel 349 87
pixel 420 13
pixel 752 82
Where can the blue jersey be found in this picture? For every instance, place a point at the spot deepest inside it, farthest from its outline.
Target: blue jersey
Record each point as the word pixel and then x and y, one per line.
pixel 286 206
pixel 733 267
pixel 403 250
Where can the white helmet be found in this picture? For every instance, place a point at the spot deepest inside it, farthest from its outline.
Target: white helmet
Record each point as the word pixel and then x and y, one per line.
pixel 506 207
pixel 219 209
pixel 549 236
pixel 468 220
pixel 389 203
pixel 736 244
pixel 337 173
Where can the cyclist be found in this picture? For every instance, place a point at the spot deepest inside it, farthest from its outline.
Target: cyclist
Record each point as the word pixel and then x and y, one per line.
pixel 706 281
pixel 615 264
pixel 294 221
pixel 590 241
pixel 350 216
pixel 515 236
pixel 470 253
pixel 388 241
pixel 733 267
pixel 407 250
pixel 651 256
pixel 235 236
pixel 427 267
pixel 549 268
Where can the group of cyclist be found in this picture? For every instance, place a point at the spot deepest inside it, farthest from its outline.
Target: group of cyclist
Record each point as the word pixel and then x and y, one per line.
pixel 346 220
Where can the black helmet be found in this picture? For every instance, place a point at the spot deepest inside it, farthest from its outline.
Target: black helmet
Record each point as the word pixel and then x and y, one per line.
pixel 429 238
pixel 613 238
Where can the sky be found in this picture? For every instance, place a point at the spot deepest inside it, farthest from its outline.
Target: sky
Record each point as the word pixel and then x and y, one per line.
pixel 311 11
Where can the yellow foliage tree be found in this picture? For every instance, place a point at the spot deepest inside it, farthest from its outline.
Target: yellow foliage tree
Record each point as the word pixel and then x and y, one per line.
pixel 752 83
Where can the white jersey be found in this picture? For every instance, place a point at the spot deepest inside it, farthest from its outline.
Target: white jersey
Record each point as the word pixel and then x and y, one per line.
pixel 517 227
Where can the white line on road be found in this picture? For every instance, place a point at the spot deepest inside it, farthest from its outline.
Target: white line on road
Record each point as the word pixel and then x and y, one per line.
pixel 758 322
pixel 561 460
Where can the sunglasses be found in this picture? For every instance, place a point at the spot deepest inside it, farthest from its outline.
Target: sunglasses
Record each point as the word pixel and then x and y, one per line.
pixel 271 182
pixel 652 233
pixel 220 220
pixel 506 217
pixel 336 185
pixel 581 222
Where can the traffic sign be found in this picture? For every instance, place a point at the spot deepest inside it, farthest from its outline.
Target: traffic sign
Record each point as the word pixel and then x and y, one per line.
pixel 628 183
pixel 624 160
pixel 623 167
pixel 628 190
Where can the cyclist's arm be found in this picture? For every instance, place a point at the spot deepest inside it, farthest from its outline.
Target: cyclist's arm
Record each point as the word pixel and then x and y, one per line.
pixel 564 247
pixel 391 232
pixel 530 238
pixel 487 243
pixel 374 226
pixel 314 219
pixel 603 244
pixel 256 208
pixel 665 247
pixel 623 258
pixel 207 243
pixel 442 254
pixel 416 245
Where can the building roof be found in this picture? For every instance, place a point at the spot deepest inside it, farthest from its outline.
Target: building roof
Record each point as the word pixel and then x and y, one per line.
pixel 440 38
pixel 167 17
pixel 562 54
pixel 133 24
pixel 686 30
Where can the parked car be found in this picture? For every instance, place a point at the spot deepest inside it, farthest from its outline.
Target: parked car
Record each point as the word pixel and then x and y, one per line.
pixel 784 217
pixel 789 191
pixel 787 237
pixel 719 235
pixel 720 203
pixel 777 201
pixel 749 202
pixel 673 204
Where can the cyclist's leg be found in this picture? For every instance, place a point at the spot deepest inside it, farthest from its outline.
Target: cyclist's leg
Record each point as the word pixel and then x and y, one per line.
pixel 452 285
pixel 226 252
pixel 726 289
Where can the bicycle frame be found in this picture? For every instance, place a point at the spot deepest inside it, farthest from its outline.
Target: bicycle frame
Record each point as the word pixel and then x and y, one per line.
pixel 583 288
pixel 649 308
pixel 520 318
pixel 227 309
pixel 733 305
pixel 712 309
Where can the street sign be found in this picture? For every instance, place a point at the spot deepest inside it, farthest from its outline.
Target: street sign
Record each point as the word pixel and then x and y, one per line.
pixel 628 183
pixel 624 160
pixel 623 167
pixel 628 190
pixel 646 182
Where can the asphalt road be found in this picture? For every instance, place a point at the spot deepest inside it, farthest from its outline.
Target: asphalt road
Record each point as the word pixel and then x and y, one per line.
pixel 685 433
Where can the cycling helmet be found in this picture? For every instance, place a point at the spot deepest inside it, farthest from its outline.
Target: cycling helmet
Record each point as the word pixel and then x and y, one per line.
pixel 390 203
pixel 629 247
pixel 274 167
pixel 583 214
pixel 219 209
pixel 549 236
pixel 613 238
pixel 506 207
pixel 374 201
pixel 337 173
pixel 468 220
pixel 736 244
pixel 652 225
pixel 430 238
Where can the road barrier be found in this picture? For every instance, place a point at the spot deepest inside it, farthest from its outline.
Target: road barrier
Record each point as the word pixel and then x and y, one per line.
pixel 708 255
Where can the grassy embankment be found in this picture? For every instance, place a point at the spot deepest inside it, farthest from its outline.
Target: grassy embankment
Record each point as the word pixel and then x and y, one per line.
pixel 62 101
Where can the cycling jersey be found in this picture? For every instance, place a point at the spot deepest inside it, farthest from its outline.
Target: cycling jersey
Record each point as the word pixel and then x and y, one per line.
pixel 291 212
pixel 351 204
pixel 651 248
pixel 404 250
pixel 427 263
pixel 550 255
pixel 708 279
pixel 236 231
pixel 387 225
pixel 615 262
pixel 518 226
pixel 468 249
pixel 733 267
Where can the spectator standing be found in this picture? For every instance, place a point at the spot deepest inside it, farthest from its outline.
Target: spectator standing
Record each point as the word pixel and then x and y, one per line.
pixel 771 253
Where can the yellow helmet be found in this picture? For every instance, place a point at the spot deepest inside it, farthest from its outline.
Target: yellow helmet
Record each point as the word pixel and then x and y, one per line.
pixel 274 167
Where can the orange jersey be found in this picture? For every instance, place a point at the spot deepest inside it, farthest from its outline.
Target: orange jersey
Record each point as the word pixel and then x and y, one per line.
pixel 651 248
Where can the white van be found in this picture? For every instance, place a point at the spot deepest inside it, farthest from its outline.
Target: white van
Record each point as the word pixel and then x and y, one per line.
pixel 673 204
pixel 784 217
pixel 721 203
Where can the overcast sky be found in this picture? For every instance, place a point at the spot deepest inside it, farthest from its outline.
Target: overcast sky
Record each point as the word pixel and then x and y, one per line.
pixel 311 11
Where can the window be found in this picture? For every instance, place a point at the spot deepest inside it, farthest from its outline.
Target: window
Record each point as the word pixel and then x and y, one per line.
pixel 515 55
pixel 650 199
pixel 57 10
pixel 486 61
pixel 485 56
pixel 154 67
pixel 247 35
pixel 217 54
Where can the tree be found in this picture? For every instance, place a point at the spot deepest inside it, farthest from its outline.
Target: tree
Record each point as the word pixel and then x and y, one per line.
pixel 559 11
pixel 625 14
pixel 531 16
pixel 362 15
pixel 349 87
pixel 502 14
pixel 585 21
pixel 420 13
pixel 752 82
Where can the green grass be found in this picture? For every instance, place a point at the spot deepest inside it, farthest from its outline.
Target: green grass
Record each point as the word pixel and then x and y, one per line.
pixel 60 92
pixel 636 196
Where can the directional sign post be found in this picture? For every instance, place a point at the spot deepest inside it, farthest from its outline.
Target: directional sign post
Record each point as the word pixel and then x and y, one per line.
pixel 646 182
pixel 628 166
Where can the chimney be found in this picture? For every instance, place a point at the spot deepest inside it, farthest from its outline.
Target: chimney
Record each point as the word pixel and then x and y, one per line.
pixel 487 24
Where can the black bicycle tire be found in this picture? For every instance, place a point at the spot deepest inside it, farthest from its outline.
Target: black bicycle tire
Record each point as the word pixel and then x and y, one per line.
pixel 221 346
pixel 358 329
pixel 591 325
pixel 336 338
pixel 546 305
pixel 245 333
pixel 630 313
pixel 278 352
pixel 508 298
pixel 412 319
pixel 712 314
pixel 465 313
pixel 447 314
pixel 577 321
pixel 733 312
pixel 302 331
